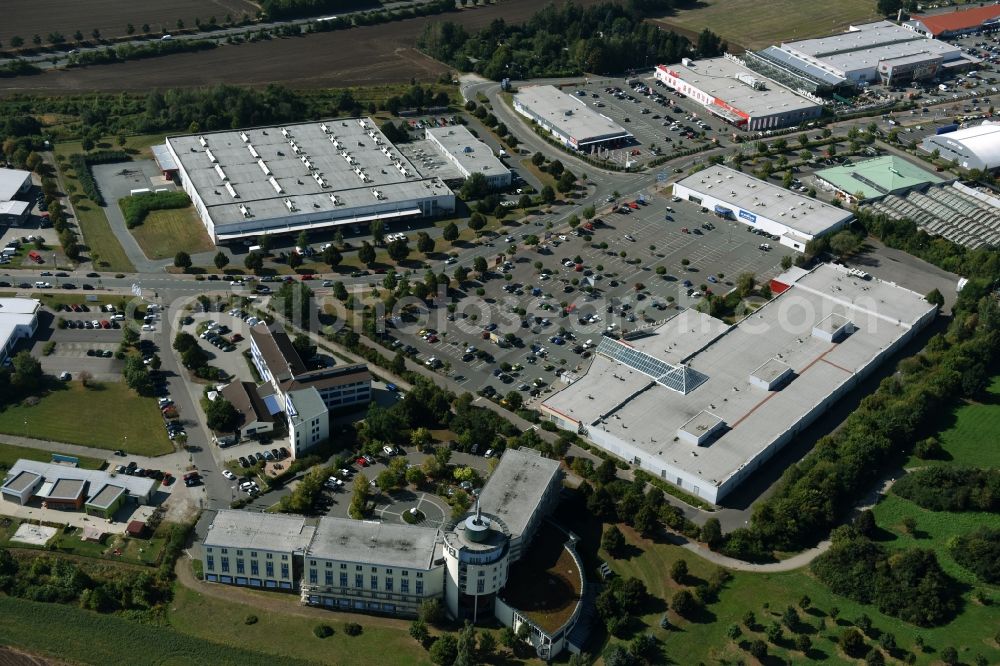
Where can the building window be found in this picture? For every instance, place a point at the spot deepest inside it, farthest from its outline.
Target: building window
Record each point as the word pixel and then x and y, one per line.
pixel 404 573
pixel 374 582
pixel 284 570
pixel 388 572
pixel 343 565
pixel 225 565
pixel 312 563
pixel 374 569
pixel 312 576
pixel 210 562
pixel 480 586
pixel 270 556
pixel 329 578
pixel 357 567
pixel 404 586
pixel 388 585
pixel 329 565
pixel 253 553
pixel 359 581
pixel 240 566
pixel 343 579
pixel 284 556
pixel 420 574
pixel 225 551
pixel 239 553
pixel 269 569
pixel 420 587
pixel 254 568
pixel 208 549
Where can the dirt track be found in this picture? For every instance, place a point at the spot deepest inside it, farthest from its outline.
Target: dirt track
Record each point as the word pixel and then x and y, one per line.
pixel 360 56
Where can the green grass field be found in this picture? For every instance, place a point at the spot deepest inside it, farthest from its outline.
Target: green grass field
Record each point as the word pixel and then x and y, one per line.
pixel 744 23
pixel 286 635
pixel 10 453
pixel 705 640
pixel 97 233
pixel 164 233
pixel 101 418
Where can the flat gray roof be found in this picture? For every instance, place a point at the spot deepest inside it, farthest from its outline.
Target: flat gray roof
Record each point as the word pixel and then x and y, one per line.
pixel 106 496
pixel 717 77
pixel 474 155
pixel 259 531
pixel 302 164
pixel 374 542
pixel 770 370
pixel 66 489
pixel 569 115
pixel 516 487
pixel 629 406
pixel 18 482
pixel 136 485
pixel 798 212
pixel 11 181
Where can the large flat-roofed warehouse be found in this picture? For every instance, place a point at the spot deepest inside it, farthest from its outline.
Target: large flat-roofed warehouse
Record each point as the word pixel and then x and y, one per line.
pixel 796 218
pixel 875 178
pixel 873 52
pixel 291 178
pixel 18 321
pixel 958 22
pixel 702 404
pixel 468 154
pixel 976 147
pixel 568 119
pixel 737 94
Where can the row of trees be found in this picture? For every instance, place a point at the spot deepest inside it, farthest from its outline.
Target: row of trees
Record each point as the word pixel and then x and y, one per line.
pixel 564 40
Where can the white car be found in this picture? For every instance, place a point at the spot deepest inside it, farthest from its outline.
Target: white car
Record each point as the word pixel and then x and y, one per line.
pixel 229 475
pixel 388 450
pixel 563 237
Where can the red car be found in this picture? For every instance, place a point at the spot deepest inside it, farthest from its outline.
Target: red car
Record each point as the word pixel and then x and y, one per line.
pixel 308 276
pixel 362 462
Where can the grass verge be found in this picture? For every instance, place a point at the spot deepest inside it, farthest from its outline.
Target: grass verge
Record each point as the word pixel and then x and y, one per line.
pixel 77 415
pixel 10 453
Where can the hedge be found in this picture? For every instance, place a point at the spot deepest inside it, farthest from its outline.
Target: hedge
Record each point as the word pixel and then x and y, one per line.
pixel 135 208
pixel 86 178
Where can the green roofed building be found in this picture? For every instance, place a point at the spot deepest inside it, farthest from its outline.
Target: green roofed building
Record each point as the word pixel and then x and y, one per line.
pixel 875 178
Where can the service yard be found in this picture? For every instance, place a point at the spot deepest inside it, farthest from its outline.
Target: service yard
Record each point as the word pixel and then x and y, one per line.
pixel 651 268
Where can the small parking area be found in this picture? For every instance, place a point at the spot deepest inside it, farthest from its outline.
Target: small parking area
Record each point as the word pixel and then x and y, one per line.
pixel 644 268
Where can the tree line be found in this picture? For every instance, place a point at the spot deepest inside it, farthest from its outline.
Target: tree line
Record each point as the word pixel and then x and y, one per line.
pixel 951 488
pixel 565 40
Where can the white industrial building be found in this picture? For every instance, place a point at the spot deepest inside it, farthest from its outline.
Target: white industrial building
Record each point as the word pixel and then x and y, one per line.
pixel 569 119
pixel 702 404
pixel 286 179
pixel 869 53
pixel 796 218
pixel 18 321
pixel 468 154
pixel 391 568
pixel 13 182
pixel 976 147
pixel 737 94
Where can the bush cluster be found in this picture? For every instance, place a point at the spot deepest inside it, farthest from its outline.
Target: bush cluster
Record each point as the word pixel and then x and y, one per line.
pixel 952 488
pixel 135 208
pixel 86 178
pixel 979 552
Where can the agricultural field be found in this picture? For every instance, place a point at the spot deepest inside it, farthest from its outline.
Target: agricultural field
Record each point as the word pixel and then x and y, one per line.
pixel 25 18
pixel 164 233
pixel 369 55
pixel 748 24
pixel 78 415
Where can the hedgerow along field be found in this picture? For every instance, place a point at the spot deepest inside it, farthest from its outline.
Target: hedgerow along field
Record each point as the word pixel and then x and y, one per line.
pixel 753 25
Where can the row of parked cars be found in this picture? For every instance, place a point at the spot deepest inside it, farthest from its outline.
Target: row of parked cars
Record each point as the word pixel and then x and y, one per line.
pixel 133 469
pixel 279 453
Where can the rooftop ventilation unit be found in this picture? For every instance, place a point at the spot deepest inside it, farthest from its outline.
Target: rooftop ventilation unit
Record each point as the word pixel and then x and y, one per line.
pixel 320 180
pixel 285 133
pixel 222 174
pixel 336 200
pixel 210 156
pixel 336 143
pixel 232 192
pixel 275 185
pixel 203 141
pixel 253 151
pixel 263 167
pixel 289 205
pixel 751 81
pixel 377 194
pixel 309 165
pixel 244 137
pixel 326 130
pixel 245 211
pixel 361 122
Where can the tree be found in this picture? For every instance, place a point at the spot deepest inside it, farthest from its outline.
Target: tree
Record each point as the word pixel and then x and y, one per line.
pixel 803 643
pixel 377 228
pixel 758 649
pixel 934 297
pixel 487 646
pixel 95 33
pixel 745 284
pixel 221 416
pixel 27 376
pixel 332 256
pixel 852 642
pixel 266 243
pixel 617 655
pixel 613 541
pixel 679 571
pixel 887 7
pixel 844 244
pixel 480 266
pixel 294 260
pixel 450 232
pixel 17 41
pixel 130 29
pixel 514 400
pixel 399 250
pixel 475 187
pixel 711 532
pixel 304 346
pixel 645 648
pixel 684 603
pixel 221 260
pixel 182 260
pixel 366 254
pixel 444 650
pixel 566 182
pixel 477 221
pixel 253 262
pixel 419 632
pixel 588 213
pixel 340 291
pixel 548 194
pixel 538 159
pixel 302 240
pixel 431 611
pixel 425 243
pixel 646 521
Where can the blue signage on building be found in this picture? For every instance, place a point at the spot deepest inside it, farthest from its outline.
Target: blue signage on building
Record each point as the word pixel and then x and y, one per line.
pixel 750 217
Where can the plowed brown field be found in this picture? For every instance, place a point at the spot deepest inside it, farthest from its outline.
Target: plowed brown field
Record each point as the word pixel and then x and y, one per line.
pixel 360 56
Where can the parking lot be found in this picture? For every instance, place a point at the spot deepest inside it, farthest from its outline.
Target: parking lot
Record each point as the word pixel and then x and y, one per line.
pixel 528 329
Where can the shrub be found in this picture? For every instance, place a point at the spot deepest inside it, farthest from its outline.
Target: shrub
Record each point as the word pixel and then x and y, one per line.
pixel 322 631
pixel 250 619
pixel 136 207
pixel 979 552
pixel 352 629
pixel 952 488
pixel 852 643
